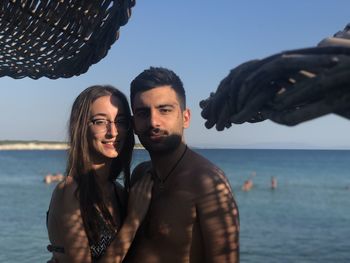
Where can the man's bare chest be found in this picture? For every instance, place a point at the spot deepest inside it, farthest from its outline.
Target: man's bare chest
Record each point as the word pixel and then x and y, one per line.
pixel 170 217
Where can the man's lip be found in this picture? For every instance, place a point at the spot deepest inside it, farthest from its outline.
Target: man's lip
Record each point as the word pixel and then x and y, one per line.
pixel 155 137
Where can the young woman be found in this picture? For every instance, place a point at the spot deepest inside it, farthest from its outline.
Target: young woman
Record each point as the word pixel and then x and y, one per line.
pixel 92 218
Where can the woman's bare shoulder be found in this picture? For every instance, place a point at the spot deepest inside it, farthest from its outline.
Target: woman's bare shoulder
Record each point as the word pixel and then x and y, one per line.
pixel 64 196
pixel 65 224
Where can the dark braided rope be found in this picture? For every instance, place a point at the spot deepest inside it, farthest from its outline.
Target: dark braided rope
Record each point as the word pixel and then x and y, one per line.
pixel 288 88
pixel 57 38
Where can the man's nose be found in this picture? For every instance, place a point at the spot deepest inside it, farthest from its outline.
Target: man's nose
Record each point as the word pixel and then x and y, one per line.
pixel 154 119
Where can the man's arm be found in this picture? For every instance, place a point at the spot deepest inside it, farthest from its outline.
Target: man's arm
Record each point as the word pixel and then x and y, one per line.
pixel 218 218
pixel 138 203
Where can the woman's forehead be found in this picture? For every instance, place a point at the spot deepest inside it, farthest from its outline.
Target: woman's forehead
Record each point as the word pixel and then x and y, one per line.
pixel 107 104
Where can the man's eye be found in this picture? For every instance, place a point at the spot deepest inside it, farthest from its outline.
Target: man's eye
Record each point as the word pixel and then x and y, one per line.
pixel 165 110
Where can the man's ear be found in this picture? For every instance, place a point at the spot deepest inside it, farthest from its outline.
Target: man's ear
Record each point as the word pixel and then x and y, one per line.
pixel 186 116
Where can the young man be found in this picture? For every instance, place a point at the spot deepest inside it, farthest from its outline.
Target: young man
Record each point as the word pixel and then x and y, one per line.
pixel 193 216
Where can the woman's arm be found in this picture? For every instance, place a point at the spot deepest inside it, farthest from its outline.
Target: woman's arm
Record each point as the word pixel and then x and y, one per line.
pixel 65 225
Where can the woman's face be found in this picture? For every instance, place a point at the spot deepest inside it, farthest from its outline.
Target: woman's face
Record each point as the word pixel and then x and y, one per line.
pixel 108 127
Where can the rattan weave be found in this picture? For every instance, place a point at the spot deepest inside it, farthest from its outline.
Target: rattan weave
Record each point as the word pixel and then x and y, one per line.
pixel 57 38
pixel 288 88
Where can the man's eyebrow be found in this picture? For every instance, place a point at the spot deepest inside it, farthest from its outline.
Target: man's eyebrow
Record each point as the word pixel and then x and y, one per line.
pixel 166 105
pixel 139 108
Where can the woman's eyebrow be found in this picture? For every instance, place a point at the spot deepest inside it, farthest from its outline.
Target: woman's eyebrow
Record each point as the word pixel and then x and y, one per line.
pixel 99 115
pixel 105 115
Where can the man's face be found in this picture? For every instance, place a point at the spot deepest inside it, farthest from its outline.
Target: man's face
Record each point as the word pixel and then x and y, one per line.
pixel 159 120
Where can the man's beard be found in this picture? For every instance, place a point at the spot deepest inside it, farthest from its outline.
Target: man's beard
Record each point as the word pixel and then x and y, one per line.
pixel 167 145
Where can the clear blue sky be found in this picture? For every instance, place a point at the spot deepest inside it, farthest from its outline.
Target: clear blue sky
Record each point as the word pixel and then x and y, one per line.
pixel 201 41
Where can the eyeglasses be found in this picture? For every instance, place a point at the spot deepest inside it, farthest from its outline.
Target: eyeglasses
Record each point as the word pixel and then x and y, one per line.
pixel 102 125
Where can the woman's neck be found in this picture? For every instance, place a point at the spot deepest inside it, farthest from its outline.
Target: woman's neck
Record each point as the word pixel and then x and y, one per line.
pixel 102 171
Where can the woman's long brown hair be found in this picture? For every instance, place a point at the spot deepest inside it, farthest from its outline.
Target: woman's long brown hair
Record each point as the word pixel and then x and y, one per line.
pixel 79 164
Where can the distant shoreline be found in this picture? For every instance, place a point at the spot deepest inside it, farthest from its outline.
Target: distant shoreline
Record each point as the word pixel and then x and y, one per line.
pixel 7 145
pixel 37 145
pixel 34 146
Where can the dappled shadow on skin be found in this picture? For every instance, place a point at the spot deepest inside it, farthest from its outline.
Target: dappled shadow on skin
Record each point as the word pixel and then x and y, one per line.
pixel 70 226
pixel 220 212
pixel 111 242
pixel 194 219
pixel 193 216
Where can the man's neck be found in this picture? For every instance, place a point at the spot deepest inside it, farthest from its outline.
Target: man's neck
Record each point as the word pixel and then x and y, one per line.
pixel 163 163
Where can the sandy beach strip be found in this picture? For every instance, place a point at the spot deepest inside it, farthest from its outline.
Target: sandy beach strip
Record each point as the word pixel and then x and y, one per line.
pixel 41 146
pixel 34 146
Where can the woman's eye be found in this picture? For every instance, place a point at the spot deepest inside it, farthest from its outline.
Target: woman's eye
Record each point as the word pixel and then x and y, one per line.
pixel 99 122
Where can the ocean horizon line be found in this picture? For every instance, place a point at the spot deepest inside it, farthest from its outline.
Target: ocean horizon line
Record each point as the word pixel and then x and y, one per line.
pixel 51 145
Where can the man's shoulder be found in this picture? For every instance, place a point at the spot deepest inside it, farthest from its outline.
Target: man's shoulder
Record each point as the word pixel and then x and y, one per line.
pixel 140 170
pixel 143 165
pixel 202 166
pixel 204 174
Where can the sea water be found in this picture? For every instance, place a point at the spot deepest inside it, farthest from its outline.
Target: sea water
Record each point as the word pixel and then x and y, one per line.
pixel 305 219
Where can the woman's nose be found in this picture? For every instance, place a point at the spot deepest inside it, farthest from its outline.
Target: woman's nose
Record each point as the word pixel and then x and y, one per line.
pixel 112 129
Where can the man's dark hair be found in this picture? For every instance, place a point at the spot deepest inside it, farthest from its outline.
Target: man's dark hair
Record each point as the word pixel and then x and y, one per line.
pixel 155 77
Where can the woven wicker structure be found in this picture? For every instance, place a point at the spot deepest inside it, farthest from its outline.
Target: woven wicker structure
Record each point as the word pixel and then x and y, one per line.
pixel 288 88
pixel 57 38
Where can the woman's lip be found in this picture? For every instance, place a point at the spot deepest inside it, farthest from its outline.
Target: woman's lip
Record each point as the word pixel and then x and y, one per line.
pixel 110 145
pixel 110 142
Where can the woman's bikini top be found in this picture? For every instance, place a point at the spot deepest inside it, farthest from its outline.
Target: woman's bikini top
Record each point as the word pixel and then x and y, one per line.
pixel 107 234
